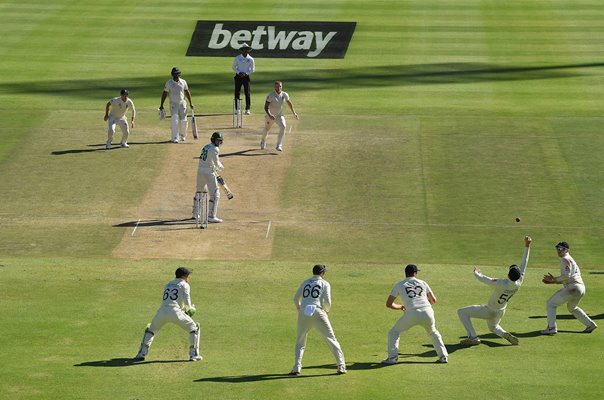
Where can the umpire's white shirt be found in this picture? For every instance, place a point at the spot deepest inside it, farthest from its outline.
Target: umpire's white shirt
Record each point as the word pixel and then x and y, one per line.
pixel 315 291
pixel 176 90
pixel 244 64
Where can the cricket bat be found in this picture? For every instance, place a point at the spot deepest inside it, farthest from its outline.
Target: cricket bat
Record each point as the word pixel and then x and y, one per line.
pixel 225 187
pixel 194 124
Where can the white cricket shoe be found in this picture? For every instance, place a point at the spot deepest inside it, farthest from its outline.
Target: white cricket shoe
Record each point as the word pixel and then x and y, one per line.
pixel 107 147
pixel 551 330
pixel 341 369
pixel 174 140
pixel 262 145
pixel 590 328
pixel 248 112
pixel 511 338
pixel 294 372
pixel 443 360
pixel 124 145
pixel 279 148
pixel 214 220
pixel 390 361
pixel 196 357
pixel 470 342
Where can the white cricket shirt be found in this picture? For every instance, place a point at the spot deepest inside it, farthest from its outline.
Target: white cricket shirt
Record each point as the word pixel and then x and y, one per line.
pixel 177 294
pixel 119 108
pixel 315 291
pixel 413 292
pixel 176 90
pixel 277 102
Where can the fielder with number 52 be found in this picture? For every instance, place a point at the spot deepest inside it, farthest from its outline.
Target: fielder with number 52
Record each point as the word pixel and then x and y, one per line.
pixel 176 308
pixel 313 301
pixel 503 290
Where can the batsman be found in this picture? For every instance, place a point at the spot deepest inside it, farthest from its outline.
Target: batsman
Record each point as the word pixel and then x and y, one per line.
pixel 176 308
pixel 207 172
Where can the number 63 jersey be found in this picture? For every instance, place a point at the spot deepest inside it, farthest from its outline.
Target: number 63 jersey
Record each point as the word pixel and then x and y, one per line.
pixel 413 292
pixel 177 294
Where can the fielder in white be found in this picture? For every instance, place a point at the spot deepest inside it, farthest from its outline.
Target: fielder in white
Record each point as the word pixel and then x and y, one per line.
pixel 177 89
pixel 313 302
pixel 418 299
pixel 115 114
pixel 273 107
pixel 176 308
pixel 571 294
pixel 209 166
pixel 493 311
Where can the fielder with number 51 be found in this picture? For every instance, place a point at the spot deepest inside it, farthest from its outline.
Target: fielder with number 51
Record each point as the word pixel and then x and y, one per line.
pixel 493 311
pixel 175 308
pixel 313 301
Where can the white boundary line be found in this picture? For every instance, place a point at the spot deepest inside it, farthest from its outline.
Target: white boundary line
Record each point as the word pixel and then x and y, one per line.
pixel 136 226
pixel 268 229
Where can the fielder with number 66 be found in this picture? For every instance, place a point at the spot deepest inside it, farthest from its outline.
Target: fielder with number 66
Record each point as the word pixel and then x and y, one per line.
pixel 313 301
pixel 175 308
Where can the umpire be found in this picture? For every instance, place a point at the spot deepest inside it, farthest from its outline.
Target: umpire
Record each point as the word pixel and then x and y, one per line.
pixel 244 66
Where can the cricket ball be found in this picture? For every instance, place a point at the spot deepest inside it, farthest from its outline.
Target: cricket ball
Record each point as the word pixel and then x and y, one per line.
pixel 517 219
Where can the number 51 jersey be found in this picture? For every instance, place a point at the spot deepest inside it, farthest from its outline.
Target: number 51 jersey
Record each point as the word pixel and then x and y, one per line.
pixel 413 292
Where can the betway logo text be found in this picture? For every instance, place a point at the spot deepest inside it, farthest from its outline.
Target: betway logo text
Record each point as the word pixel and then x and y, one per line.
pixel 272 39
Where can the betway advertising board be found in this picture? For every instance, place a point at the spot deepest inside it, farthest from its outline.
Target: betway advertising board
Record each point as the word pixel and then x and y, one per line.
pixel 272 39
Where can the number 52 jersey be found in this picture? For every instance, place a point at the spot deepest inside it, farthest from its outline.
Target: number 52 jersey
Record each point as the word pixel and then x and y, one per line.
pixel 413 292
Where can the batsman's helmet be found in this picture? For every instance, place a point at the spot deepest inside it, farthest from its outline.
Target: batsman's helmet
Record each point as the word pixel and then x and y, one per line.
pixel 216 136
pixel 124 92
pixel 182 272
pixel 514 273
pixel 175 71
pixel 318 269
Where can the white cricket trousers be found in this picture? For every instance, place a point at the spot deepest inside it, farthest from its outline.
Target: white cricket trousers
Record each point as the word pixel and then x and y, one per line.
pixel 423 317
pixel 268 123
pixel 492 317
pixel 320 322
pixel 178 120
pixel 123 124
pixel 176 316
pixel 571 295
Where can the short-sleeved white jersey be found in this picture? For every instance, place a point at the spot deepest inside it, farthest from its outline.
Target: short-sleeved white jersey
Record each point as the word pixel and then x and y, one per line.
pixel 314 291
pixel 177 294
pixel 119 108
pixel 244 64
pixel 413 292
pixel 504 288
pixel 277 102
pixel 570 272
pixel 209 158
pixel 176 90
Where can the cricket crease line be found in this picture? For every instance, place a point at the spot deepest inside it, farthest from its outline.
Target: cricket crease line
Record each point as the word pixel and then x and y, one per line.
pixel 135 226
pixel 268 229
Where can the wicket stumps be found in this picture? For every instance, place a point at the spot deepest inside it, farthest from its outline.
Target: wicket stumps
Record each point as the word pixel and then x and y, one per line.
pixel 237 114
pixel 202 205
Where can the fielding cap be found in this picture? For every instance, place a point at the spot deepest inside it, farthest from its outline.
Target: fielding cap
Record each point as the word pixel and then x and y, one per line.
pixel 411 269
pixel 514 273
pixel 318 269
pixel 562 245
pixel 182 271
pixel 175 71
pixel 124 92
pixel 245 46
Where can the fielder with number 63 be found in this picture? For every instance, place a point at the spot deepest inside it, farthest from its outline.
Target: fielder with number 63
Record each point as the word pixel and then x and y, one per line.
pixel 175 308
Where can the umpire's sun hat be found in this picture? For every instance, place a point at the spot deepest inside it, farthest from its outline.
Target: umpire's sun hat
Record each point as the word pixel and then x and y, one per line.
pixel 245 46
pixel 411 269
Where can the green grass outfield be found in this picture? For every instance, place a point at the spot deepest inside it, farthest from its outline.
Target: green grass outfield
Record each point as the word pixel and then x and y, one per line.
pixel 445 121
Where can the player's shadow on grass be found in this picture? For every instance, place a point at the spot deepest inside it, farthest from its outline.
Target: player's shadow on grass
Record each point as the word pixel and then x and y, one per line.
pixel 125 362
pixel 566 316
pixel 248 153
pixel 306 373
pixel 156 222
pixel 100 147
